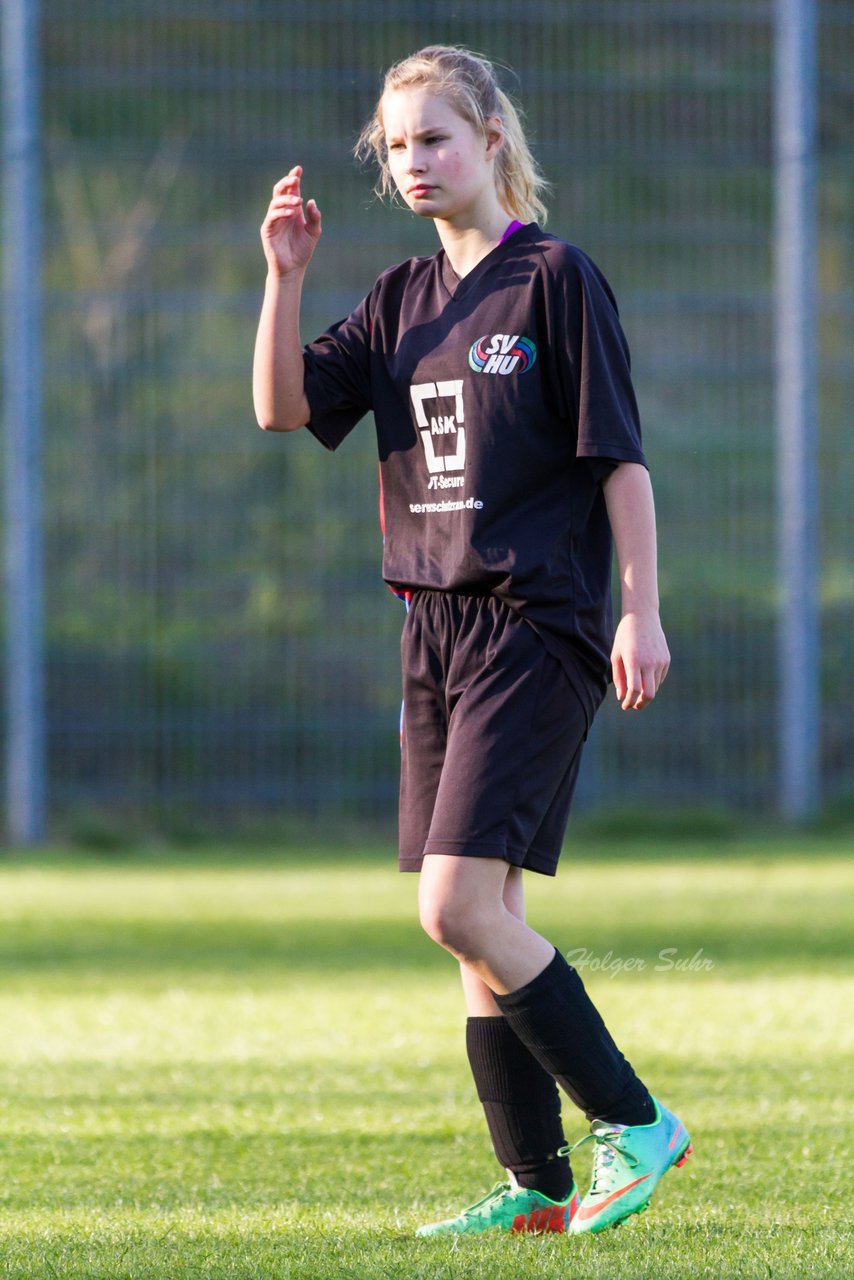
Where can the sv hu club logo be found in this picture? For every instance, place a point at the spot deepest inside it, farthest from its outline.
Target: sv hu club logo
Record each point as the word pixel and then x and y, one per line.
pixel 502 353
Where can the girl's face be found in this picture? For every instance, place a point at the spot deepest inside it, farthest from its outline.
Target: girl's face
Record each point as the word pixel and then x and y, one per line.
pixel 440 164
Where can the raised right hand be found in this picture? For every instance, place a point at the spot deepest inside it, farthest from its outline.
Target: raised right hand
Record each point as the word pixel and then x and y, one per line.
pixel 289 234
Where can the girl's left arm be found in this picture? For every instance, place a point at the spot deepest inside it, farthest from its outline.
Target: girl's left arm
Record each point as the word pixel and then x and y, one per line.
pixel 639 658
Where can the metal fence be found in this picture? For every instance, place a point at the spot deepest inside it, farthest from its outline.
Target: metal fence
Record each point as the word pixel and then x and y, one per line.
pixel 219 643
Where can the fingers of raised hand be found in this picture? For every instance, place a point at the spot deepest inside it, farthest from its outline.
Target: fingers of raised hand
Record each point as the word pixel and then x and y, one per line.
pixel 287 202
pixel 290 182
pixel 284 205
pixel 282 209
pixel 312 214
pixel 286 193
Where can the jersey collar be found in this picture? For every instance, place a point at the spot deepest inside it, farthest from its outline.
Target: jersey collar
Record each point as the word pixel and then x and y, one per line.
pixel 458 287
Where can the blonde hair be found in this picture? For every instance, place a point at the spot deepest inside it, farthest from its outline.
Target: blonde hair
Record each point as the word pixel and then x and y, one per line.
pixel 469 82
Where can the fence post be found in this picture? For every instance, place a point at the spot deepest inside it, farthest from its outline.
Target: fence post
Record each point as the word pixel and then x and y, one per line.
pixel 25 735
pixel 796 365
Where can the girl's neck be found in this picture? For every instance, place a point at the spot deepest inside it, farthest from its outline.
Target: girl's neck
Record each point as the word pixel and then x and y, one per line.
pixel 466 246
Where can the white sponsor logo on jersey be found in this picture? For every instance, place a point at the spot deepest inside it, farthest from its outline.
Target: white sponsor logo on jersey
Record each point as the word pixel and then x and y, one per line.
pixel 441 424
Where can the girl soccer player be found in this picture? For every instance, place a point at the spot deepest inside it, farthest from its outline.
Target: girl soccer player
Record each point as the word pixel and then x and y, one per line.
pixel 510 455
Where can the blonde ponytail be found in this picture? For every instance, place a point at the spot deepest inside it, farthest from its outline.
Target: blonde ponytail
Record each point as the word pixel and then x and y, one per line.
pixel 469 82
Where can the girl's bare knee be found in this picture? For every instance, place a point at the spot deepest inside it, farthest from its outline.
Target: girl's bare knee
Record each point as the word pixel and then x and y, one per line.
pixel 452 926
pixel 440 921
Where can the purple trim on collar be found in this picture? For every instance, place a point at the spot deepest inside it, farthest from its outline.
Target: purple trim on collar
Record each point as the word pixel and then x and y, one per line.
pixel 514 226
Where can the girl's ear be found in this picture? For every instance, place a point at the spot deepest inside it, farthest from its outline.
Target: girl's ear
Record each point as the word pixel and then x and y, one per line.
pixel 494 136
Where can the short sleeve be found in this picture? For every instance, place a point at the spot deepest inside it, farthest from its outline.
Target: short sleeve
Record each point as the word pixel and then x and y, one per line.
pixel 337 374
pixel 594 373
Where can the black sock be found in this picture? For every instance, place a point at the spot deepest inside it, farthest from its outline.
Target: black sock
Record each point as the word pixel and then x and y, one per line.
pixel 522 1107
pixel 557 1020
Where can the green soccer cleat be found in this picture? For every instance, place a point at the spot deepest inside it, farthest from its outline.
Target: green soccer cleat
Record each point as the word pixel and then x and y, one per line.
pixel 509 1207
pixel 628 1162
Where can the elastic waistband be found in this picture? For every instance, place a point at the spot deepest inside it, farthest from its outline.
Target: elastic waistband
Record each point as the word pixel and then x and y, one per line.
pixel 473 593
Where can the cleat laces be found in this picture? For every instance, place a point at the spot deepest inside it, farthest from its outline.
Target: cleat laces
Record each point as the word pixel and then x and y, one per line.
pixel 607 1150
pixel 475 1210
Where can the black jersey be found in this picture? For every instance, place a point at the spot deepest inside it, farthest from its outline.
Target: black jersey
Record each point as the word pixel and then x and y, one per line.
pixel 501 400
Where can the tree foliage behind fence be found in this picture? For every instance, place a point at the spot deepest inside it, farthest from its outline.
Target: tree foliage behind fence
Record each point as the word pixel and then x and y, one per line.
pixel 220 644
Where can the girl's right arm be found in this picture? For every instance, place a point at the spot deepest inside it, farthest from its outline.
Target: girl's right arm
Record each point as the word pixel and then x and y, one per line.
pixel 289 237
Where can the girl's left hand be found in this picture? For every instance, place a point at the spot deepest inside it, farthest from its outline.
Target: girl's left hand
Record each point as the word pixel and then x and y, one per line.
pixel 640 659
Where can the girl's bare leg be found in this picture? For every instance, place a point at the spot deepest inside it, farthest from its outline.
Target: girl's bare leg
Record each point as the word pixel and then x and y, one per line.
pixel 463 908
pixel 479 1001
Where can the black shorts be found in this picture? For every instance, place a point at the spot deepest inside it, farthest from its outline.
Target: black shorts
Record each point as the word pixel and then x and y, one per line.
pixel 491 735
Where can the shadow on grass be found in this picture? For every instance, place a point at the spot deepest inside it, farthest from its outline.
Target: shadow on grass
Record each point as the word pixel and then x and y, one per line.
pixel 696 833
pixel 226 950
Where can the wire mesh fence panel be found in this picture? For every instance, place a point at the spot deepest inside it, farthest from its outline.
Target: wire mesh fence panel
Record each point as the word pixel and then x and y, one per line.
pixel 220 644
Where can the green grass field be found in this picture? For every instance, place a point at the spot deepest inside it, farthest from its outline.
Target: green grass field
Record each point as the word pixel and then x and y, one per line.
pixel 250 1064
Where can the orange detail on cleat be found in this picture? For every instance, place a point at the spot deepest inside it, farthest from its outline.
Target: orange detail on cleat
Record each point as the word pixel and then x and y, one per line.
pixel 586 1212
pixel 689 1150
pixel 558 1217
pixel 676 1132
pixel 538 1221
